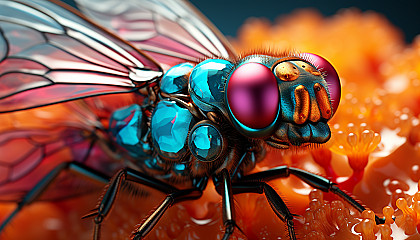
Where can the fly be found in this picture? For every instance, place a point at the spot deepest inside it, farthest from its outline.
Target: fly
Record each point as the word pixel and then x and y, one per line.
pixel 193 109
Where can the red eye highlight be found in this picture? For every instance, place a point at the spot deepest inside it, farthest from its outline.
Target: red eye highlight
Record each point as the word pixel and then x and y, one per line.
pixel 332 79
pixel 253 95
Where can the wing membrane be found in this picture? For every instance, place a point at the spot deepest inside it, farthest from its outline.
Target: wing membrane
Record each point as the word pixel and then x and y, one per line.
pixel 49 54
pixel 169 30
pixel 33 142
pixel 29 154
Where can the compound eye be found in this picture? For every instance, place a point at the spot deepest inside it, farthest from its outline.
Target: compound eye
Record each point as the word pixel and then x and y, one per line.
pixel 330 76
pixel 253 95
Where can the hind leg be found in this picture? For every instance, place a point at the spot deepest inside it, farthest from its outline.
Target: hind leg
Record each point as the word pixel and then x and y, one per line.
pixel 173 196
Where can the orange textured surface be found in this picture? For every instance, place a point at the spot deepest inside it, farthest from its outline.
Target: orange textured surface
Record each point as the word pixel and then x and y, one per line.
pixel 374 152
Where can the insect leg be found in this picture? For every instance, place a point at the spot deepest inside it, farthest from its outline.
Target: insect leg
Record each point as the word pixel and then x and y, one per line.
pixel 171 199
pixel 174 195
pixel 276 203
pixel 313 180
pixel 113 188
pixel 326 185
pixel 224 188
pixel 234 172
pixel 42 185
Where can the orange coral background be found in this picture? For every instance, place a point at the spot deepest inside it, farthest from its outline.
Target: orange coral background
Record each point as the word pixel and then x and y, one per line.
pixel 374 151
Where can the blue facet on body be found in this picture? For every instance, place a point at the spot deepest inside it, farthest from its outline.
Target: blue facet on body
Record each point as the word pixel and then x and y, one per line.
pixel 207 82
pixel 175 79
pixel 205 142
pixel 154 165
pixel 127 127
pixel 169 127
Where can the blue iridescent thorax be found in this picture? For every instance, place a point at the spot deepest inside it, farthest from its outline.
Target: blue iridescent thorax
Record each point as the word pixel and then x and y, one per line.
pixel 170 126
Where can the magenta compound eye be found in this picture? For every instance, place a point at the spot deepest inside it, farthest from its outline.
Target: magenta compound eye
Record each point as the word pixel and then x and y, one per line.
pixel 253 95
pixel 330 76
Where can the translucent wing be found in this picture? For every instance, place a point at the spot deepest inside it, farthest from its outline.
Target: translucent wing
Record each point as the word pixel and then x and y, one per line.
pixel 49 54
pixel 30 154
pixel 169 30
pixel 35 141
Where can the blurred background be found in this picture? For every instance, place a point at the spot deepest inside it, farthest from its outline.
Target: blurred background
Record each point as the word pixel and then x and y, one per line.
pixel 229 15
pixel 374 152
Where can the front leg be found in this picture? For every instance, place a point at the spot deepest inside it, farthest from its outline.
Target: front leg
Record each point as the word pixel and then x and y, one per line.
pixel 313 180
pixel 276 203
pixel 224 188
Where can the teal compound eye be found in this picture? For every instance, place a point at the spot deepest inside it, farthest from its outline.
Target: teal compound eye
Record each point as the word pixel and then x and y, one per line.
pixel 205 142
